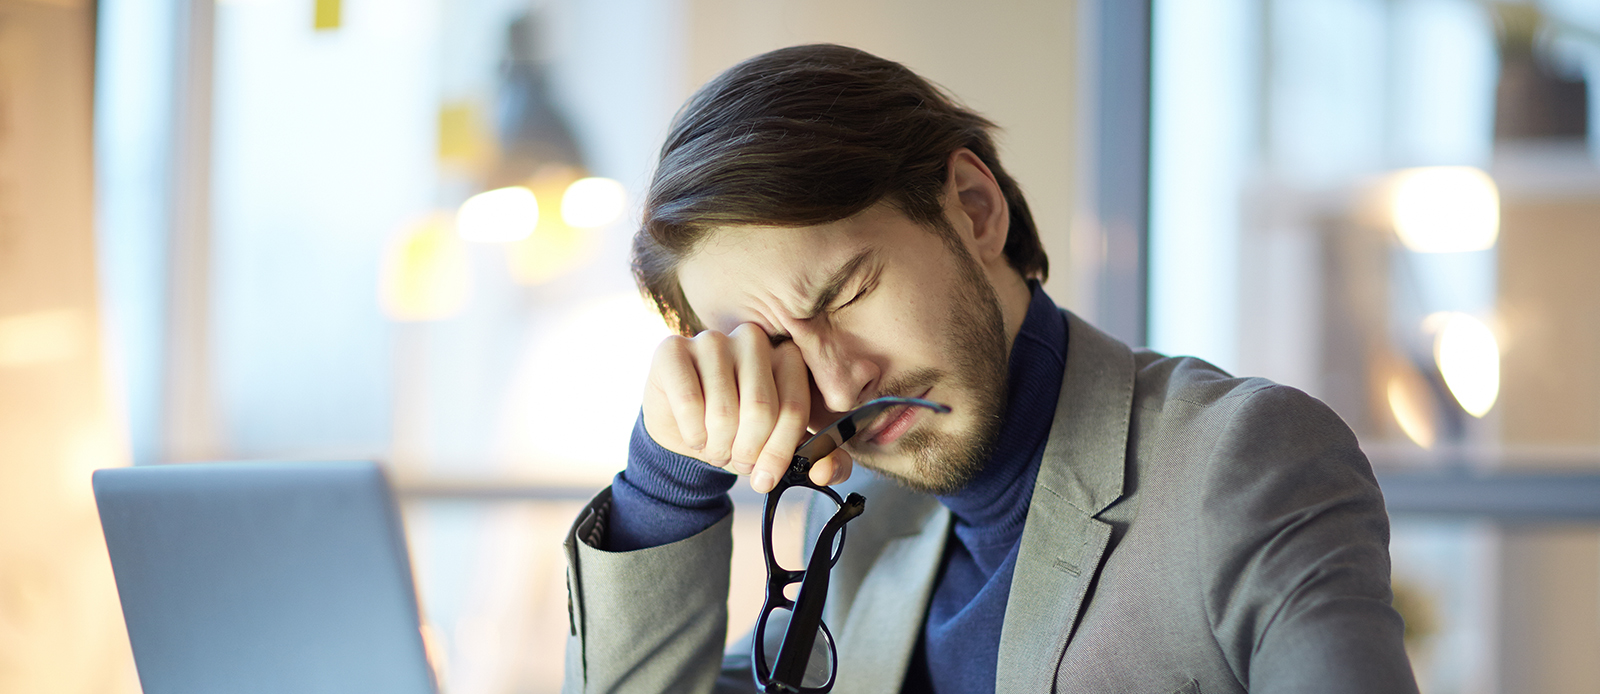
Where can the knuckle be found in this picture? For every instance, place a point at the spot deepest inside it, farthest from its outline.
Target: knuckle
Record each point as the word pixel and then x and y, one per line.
pixel 689 399
pixel 744 451
pixel 794 408
pixel 673 345
pixel 671 355
pixel 711 338
pixel 753 343
pixel 758 408
pixel 717 451
pixel 748 331
pixel 723 416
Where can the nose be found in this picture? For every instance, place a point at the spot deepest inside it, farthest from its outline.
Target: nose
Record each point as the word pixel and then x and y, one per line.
pixel 841 371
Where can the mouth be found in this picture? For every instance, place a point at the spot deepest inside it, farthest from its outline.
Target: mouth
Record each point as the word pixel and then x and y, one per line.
pixel 893 424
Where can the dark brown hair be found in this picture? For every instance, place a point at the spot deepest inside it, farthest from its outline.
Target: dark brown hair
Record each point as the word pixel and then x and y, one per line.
pixel 808 135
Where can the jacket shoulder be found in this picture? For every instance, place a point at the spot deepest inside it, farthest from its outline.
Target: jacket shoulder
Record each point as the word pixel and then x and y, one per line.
pixel 1160 380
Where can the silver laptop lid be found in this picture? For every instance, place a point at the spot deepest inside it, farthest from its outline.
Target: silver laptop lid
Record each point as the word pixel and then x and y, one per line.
pixel 263 577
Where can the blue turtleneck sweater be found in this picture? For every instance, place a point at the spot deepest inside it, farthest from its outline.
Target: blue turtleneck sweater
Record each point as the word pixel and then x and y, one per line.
pixel 663 497
pixel 960 641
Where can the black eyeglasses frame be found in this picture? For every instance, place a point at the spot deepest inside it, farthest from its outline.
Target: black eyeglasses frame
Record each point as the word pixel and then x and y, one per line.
pixel 786 674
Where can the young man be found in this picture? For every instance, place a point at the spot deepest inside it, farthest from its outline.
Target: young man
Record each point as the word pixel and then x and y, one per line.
pixel 825 228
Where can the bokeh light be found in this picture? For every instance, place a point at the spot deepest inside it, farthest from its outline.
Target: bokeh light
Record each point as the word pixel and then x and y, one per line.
pixel 1445 209
pixel 498 216
pixel 1408 400
pixel 592 202
pixel 1469 359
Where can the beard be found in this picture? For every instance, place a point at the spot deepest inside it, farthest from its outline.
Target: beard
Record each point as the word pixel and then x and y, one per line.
pixel 945 462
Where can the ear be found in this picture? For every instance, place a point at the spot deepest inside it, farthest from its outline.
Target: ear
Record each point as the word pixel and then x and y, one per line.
pixel 976 206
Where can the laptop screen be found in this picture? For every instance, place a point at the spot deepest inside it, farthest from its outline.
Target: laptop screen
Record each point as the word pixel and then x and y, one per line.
pixel 263 577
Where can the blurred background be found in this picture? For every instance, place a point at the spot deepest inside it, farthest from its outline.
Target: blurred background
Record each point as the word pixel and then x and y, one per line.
pixel 398 229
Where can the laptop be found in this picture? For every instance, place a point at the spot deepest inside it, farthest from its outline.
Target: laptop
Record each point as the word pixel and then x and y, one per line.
pixel 264 577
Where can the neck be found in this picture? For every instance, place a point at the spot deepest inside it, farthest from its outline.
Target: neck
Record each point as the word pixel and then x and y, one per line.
pixel 1012 291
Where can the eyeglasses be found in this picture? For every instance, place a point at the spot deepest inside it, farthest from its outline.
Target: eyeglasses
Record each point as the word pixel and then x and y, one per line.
pixel 797 654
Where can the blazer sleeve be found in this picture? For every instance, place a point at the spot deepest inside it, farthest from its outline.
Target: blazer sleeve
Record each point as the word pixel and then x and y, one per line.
pixel 646 620
pixel 1297 525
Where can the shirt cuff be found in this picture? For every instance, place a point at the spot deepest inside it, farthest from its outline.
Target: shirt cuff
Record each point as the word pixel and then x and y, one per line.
pixel 663 497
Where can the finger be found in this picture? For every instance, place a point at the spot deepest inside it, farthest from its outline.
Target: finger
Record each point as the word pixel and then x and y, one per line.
pixel 794 408
pixel 714 360
pixel 758 394
pixel 833 468
pixel 674 378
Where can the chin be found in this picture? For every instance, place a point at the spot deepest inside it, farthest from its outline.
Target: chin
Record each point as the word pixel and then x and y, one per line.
pixel 897 468
pixel 931 461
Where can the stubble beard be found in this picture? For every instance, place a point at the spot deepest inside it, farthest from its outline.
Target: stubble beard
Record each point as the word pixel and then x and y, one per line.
pixel 945 462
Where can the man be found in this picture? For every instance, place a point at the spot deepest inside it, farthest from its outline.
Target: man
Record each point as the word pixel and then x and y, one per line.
pixel 825 228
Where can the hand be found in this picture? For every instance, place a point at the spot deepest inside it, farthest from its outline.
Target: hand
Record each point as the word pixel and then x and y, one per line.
pixel 735 401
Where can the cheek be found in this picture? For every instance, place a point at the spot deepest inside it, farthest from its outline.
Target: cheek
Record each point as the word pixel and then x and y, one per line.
pixel 900 330
pixel 921 321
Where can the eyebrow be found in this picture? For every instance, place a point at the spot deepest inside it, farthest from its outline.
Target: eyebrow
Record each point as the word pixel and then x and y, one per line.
pixel 831 288
pixel 835 283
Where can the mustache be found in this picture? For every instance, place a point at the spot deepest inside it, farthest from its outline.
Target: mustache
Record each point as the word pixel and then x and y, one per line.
pixel 910 385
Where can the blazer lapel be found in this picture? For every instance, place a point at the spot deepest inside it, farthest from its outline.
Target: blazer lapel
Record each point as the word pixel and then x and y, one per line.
pixel 1063 543
pixel 886 617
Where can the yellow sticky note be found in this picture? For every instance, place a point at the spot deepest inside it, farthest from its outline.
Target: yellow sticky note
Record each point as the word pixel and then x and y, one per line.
pixel 327 15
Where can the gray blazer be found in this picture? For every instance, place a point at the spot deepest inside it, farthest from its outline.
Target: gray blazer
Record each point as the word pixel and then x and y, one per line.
pixel 1189 532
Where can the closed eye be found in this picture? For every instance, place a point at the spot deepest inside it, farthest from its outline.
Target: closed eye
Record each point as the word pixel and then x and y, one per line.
pixel 867 285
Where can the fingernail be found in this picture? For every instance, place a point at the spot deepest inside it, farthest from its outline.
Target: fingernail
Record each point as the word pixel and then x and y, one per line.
pixel 762 482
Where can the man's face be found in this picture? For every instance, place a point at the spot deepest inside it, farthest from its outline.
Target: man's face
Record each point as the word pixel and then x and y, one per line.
pixel 878 306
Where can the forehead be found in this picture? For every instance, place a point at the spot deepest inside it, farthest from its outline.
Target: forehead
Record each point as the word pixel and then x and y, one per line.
pixel 773 267
pixel 751 273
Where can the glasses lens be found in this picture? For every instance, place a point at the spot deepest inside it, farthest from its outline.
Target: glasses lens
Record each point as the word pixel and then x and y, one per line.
pixel 790 523
pixel 819 667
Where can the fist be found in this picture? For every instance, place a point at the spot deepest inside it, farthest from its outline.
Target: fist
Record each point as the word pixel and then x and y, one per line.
pixel 736 401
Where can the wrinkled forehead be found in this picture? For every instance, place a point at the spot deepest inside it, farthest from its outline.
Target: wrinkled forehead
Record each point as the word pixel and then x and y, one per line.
pixel 743 273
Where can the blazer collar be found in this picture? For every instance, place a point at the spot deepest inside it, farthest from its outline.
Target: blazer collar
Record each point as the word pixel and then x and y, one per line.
pixel 1063 544
pixel 1086 456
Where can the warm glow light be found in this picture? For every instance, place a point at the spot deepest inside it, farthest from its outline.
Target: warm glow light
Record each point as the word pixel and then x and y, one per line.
pixel 556 247
pixel 553 250
pixel 425 274
pixel 42 337
pixel 1445 209
pixel 592 202
pixel 1409 403
pixel 498 216
pixel 1469 359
